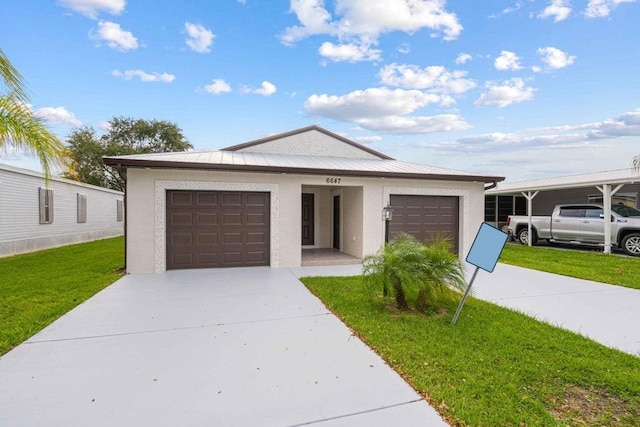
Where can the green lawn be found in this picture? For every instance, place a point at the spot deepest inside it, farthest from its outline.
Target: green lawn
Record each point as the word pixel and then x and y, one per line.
pixel 39 287
pixel 596 266
pixel 495 366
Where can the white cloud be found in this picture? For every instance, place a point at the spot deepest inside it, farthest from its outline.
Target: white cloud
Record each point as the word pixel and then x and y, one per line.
pixel 385 110
pixel 627 124
pixel 536 69
pixel 372 102
pixel 115 37
pixel 411 125
pixel 463 58
pixel 555 58
pixel 559 10
pixel 199 39
pixel 367 139
pixel 349 52
pixel 507 61
pixel 266 89
pixel 404 48
pixel 435 77
pixel 556 137
pixel 217 86
pixel 91 8
pixel 504 94
pixel 144 76
pixel 602 8
pixel 509 9
pixel 370 18
pixel 58 115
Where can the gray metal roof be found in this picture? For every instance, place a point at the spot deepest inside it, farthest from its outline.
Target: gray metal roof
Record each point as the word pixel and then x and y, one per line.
pixel 305 164
pixel 619 176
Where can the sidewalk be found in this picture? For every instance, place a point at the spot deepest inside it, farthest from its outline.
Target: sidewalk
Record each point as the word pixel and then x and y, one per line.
pixel 605 313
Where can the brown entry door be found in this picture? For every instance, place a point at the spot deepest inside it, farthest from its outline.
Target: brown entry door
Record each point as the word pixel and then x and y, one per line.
pixel 208 229
pixel 307 218
pixel 425 218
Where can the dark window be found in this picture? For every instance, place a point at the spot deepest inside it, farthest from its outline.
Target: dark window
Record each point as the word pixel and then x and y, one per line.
pixel 490 208
pixel 593 212
pixel 119 210
pixel 82 207
pixel 572 212
pixel 520 207
pixel 46 205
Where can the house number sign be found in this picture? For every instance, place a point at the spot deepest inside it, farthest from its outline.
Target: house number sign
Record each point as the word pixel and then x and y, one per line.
pixel 333 180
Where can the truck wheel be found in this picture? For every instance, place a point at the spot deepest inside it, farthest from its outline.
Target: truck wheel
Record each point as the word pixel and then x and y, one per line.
pixel 631 244
pixel 523 236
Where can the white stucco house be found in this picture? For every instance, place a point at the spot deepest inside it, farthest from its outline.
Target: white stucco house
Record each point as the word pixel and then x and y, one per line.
pixel 37 214
pixel 266 201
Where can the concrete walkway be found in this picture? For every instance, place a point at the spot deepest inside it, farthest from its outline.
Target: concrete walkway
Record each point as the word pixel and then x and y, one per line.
pixel 226 347
pixel 605 313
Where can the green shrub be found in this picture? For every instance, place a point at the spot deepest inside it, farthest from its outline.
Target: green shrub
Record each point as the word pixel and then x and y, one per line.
pixel 415 274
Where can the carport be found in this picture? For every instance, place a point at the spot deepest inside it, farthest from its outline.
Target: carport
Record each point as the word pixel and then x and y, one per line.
pixel 617 186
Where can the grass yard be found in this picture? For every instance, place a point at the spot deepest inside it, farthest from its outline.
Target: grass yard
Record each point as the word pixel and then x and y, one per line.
pixel 39 287
pixel 596 266
pixel 495 366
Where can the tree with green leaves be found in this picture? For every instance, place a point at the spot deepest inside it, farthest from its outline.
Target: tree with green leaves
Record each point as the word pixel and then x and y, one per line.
pixel 19 127
pixel 125 136
pixel 415 274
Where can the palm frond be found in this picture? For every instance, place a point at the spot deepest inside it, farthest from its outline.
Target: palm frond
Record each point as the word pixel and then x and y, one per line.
pixel 20 129
pixel 12 79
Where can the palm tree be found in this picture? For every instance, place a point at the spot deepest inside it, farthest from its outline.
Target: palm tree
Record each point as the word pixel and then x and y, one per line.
pixel 413 271
pixel 19 128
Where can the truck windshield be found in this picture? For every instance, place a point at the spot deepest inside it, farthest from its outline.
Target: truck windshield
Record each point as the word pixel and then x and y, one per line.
pixel 625 211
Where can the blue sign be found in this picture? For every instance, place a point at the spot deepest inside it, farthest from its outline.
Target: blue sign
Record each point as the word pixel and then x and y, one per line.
pixel 487 247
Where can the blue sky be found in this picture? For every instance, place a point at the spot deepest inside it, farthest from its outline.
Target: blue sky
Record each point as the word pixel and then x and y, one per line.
pixel 523 89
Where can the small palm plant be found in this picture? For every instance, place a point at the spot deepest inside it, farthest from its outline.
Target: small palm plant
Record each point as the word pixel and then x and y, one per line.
pixel 414 272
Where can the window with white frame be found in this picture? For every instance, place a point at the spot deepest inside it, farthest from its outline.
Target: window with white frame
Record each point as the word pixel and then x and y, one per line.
pixel 82 208
pixel 119 210
pixel 627 199
pixel 46 205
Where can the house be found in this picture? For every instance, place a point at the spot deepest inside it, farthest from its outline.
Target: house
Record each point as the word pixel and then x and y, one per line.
pixel 37 214
pixel 267 201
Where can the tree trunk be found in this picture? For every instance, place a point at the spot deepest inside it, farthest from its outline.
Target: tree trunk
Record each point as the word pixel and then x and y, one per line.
pixel 401 300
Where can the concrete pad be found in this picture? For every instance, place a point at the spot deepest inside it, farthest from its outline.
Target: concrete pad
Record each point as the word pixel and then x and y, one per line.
pixel 208 347
pixel 606 313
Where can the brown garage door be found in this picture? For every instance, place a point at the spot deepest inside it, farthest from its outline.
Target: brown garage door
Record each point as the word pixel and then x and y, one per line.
pixel 217 229
pixel 425 217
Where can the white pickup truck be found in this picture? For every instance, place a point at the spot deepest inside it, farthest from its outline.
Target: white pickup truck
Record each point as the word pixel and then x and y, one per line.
pixel 581 225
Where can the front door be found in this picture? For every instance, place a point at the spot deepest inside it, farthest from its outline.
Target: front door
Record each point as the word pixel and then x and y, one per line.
pixel 307 219
pixel 336 222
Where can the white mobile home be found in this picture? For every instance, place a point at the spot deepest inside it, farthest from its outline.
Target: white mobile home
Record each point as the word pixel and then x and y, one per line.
pixel 267 202
pixel 37 214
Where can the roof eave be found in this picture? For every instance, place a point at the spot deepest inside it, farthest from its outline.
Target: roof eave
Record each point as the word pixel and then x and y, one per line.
pixel 161 164
pixel 550 187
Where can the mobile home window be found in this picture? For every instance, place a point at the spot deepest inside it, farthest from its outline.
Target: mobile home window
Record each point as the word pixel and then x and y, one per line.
pixel 119 210
pixel 627 199
pixel 82 207
pixel 46 205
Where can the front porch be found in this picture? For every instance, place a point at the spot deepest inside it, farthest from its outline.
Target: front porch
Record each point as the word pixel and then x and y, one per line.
pixel 327 256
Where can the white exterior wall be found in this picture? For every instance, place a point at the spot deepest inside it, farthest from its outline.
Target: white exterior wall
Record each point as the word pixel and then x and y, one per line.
pixel 20 228
pixel 314 143
pixel 362 201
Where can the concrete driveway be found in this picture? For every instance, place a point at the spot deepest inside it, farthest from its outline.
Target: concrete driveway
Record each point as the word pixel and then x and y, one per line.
pixel 227 347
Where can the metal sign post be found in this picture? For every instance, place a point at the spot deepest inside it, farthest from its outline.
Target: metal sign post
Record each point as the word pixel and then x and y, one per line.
pixel 484 254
